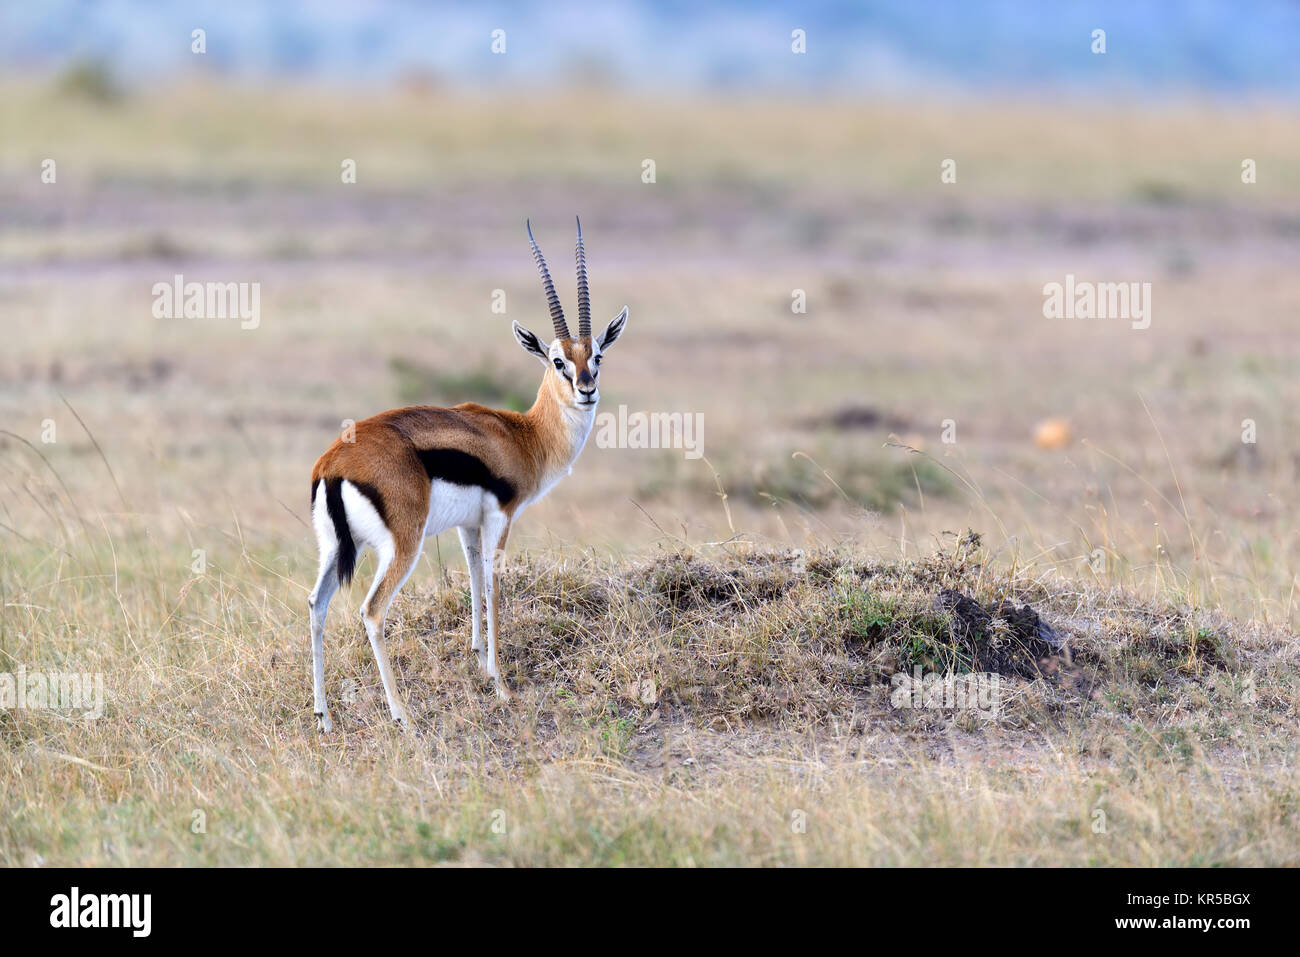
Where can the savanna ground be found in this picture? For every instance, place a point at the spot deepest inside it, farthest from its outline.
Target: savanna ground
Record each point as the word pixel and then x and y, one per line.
pixel 702 649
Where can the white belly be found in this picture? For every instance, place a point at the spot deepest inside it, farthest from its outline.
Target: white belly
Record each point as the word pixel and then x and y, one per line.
pixel 456 505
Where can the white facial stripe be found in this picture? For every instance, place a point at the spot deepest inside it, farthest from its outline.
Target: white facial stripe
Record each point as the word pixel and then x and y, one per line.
pixel 557 352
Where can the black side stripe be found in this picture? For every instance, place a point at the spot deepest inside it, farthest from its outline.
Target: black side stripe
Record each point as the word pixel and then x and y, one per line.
pixel 347 558
pixel 461 468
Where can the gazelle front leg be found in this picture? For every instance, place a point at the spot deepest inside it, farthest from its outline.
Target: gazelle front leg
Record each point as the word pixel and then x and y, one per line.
pixel 469 543
pixel 494 532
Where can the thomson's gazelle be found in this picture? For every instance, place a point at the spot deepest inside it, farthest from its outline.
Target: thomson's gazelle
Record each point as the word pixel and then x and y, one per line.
pixel 414 472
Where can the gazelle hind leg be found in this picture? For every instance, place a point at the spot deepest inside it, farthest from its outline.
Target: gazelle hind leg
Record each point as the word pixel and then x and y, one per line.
pixel 327 583
pixel 395 566
pixel 495 530
pixel 469 543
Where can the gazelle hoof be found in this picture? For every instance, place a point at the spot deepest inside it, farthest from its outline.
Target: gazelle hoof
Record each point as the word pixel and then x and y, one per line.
pixel 323 723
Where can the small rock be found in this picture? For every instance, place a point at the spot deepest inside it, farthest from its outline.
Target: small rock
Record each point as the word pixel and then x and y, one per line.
pixel 1052 434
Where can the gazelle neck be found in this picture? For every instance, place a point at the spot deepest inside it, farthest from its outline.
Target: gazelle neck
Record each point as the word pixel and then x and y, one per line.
pixel 562 428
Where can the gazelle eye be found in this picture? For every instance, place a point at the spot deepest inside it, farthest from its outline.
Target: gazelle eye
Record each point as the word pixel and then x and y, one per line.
pixel 597 360
pixel 559 364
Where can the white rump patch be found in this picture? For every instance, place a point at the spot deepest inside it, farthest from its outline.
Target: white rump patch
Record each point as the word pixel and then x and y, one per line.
pixel 368 529
pixel 326 539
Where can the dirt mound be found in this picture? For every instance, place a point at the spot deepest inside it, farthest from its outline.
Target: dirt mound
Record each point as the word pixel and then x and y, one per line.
pixel 799 641
pixel 1007 639
pixel 685 582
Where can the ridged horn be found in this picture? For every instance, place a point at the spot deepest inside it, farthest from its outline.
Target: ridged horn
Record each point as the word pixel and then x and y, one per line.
pixel 552 300
pixel 584 298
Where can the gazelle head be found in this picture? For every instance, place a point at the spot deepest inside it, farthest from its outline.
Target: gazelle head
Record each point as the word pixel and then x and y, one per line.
pixel 573 363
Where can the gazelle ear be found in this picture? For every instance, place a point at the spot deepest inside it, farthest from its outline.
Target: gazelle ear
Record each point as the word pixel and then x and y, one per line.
pixel 529 341
pixel 612 331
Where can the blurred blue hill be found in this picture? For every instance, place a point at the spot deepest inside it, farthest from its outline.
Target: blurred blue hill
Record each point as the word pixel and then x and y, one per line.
pixel 1154 48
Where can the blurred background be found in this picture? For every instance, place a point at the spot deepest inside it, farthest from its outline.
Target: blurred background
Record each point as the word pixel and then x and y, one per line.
pixel 832 223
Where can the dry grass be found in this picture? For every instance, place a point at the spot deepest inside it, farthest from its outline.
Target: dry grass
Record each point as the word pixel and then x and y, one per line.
pixel 769 657
pixel 219 136
pixel 722 709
